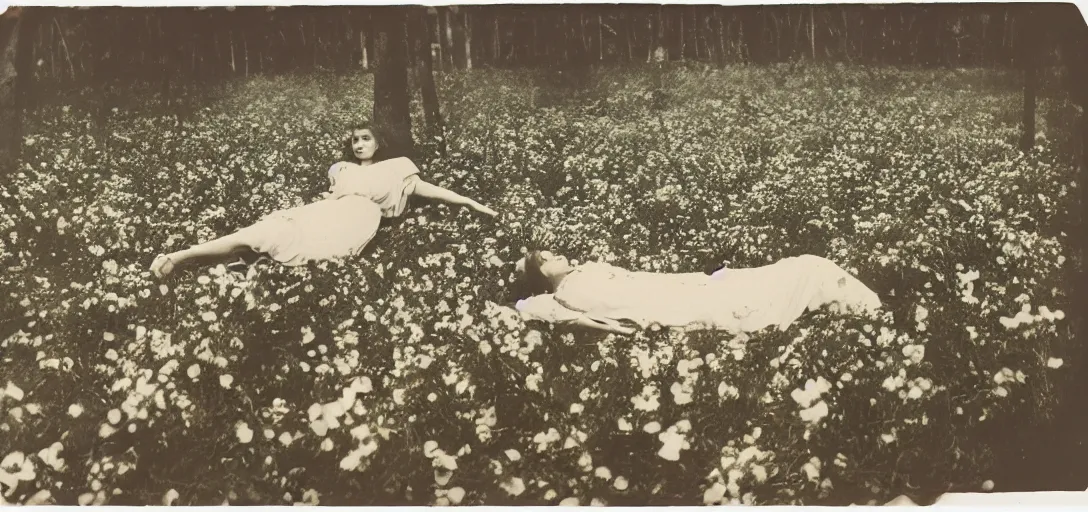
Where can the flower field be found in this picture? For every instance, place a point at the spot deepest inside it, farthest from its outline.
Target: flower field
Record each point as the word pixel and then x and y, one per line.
pixel 405 377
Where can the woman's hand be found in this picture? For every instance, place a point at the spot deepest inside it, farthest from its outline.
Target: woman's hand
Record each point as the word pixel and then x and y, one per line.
pixel 626 330
pixel 604 324
pixel 483 209
pixel 619 329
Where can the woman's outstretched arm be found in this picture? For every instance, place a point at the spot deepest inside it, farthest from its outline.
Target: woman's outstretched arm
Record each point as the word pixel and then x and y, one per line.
pixel 430 191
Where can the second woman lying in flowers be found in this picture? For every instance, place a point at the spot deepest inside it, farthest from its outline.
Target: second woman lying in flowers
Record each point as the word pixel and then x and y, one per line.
pixel 601 296
pixel 339 226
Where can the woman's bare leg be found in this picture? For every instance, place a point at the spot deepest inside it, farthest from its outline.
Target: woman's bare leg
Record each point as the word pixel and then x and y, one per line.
pixel 215 250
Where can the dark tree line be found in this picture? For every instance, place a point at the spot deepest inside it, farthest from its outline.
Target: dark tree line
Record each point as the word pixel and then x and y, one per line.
pixel 46 47
pixel 105 43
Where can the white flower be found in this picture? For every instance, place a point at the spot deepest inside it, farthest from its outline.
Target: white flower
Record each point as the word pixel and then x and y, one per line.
pixel 170 497
pixel 532 382
pixel 815 413
pixel 444 460
pixel 307 335
pixel 12 391
pixel 679 394
pixel 671 444
pixel 352 460
pixel 812 469
pixel 726 390
pixel 1054 363
pixel 226 380
pixel 515 486
pixel 15 468
pixel 647 401
pixel 455 495
pixel 243 432
pixel 361 385
pixel 811 393
pixel 914 352
pixel 714 494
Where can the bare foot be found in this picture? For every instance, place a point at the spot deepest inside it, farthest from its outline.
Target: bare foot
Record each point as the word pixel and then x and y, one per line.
pixel 162 266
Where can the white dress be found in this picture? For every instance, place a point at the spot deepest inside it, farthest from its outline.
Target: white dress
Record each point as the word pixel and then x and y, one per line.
pixel 732 300
pixel 342 224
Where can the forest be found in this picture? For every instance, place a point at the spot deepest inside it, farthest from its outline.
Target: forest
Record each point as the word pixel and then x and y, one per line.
pixel 102 44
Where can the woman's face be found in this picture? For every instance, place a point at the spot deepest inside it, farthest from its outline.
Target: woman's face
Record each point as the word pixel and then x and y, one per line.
pixel 554 265
pixel 363 144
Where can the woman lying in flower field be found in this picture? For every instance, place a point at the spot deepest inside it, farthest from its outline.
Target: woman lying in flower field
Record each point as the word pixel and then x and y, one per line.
pixel 340 225
pixel 600 295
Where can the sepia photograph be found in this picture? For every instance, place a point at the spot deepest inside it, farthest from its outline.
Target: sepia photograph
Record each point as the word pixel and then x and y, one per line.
pixel 530 254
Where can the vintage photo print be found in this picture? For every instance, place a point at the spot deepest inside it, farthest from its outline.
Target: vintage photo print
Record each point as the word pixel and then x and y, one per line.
pixel 541 254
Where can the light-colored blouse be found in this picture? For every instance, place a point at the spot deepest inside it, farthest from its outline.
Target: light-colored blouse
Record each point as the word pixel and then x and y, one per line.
pixel 388 183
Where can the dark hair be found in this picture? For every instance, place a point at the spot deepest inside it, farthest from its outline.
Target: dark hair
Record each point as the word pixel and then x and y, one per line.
pixel 532 281
pixel 385 149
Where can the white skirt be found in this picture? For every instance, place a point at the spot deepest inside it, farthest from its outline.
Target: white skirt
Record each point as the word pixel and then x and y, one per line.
pixel 325 230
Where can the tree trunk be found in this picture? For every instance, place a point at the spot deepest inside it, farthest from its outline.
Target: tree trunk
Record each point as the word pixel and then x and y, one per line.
pixel 166 64
pixel 750 35
pixel 233 65
pixel 391 111
pixel 696 29
pixel 628 33
pixel 495 50
pixel 653 38
pixel 425 76
pixel 64 46
pixel 812 30
pixel 659 48
pixel 447 15
pixel 777 36
pixel 365 59
pixel 1029 61
pixel 467 21
pixel 12 25
pixel 435 36
pixel 706 31
pixel 683 38
pixel 600 38
pixel 721 35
